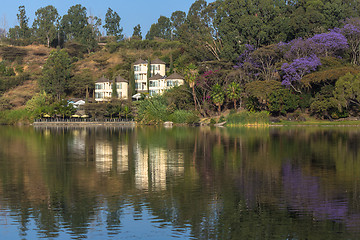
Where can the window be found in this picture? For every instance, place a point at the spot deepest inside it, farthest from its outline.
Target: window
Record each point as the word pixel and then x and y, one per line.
pixel 99 86
pixel 137 86
pixel 118 86
pixel 137 68
pixel 136 76
pixel 99 95
pixel 171 83
pixel 154 84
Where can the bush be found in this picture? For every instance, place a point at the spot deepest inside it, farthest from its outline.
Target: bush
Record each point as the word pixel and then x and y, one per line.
pixel 183 116
pixel 152 110
pixel 248 118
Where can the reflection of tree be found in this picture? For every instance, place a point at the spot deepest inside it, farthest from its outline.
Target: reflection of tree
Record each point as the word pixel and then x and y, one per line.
pixel 219 183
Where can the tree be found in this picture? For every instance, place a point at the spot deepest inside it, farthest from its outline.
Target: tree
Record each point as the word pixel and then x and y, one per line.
pixel 347 90
pixel 217 96
pixel 22 31
pixel 351 31
pixel 56 73
pixel 112 24
pixel 295 71
pixel 137 32
pixel 177 20
pixel 233 92
pixel 45 24
pixel 74 23
pixel 191 74
pixel 161 29
pixel 114 93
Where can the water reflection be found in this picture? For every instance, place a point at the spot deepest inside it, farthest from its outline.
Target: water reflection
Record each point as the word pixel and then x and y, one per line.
pixel 202 183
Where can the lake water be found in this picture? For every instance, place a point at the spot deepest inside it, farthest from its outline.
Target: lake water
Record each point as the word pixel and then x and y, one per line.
pixel 180 183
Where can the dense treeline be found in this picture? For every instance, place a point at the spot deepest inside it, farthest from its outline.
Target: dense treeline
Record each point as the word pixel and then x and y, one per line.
pixel 289 58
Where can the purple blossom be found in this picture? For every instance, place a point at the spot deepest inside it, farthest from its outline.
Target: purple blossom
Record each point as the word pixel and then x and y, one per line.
pixel 295 71
pixel 326 44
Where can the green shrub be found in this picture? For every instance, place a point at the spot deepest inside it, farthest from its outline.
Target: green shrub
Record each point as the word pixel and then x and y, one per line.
pixel 183 116
pixel 248 118
pixel 222 119
pixel 212 121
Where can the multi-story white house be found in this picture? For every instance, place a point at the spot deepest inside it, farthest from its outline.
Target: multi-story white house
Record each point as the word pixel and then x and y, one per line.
pixel 103 88
pixel 157 80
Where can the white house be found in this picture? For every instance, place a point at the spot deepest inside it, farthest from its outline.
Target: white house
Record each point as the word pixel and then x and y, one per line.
pixel 103 88
pixel 158 82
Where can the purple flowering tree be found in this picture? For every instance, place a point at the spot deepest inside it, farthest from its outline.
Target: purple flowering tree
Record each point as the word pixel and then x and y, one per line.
pixel 351 31
pixel 259 63
pixel 295 71
pixel 328 44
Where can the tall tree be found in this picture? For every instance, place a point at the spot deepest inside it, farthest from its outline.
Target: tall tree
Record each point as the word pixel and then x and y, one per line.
pixel 137 32
pixel 112 24
pixel 177 20
pixel 45 24
pixel 161 29
pixel 21 31
pixel 74 22
pixel 191 74
pixel 56 73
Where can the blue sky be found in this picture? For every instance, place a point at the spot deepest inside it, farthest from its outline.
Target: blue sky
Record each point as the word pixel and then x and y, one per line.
pixel 132 12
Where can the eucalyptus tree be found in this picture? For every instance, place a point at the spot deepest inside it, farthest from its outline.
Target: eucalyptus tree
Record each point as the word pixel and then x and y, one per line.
pixel 137 32
pixel 44 25
pixel 112 24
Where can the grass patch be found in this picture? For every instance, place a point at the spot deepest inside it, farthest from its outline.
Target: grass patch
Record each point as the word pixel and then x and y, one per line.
pixel 246 118
pixel 18 116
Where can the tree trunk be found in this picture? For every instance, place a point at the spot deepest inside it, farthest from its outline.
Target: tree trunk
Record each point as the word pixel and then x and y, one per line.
pixel 193 91
pixel 235 104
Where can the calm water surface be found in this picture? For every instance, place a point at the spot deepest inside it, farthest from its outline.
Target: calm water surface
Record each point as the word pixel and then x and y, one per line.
pixel 179 183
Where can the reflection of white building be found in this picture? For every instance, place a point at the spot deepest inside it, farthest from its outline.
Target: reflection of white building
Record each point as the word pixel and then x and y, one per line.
pixel 154 165
pixel 105 158
pixel 141 158
pixel 157 170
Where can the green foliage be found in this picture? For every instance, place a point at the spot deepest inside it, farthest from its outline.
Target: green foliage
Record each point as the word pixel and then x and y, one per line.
pixel 217 96
pixel 11 117
pixel 328 76
pixel 222 119
pixel 282 101
pixel 233 92
pixel 39 105
pixel 212 121
pixel 64 109
pixel 80 82
pixel 258 93
pixel 44 25
pixel 184 116
pixel 347 90
pixel 248 118
pixel 180 97
pixel 324 103
pixel 137 33
pixel 152 110
pixel 112 24
pixel 56 73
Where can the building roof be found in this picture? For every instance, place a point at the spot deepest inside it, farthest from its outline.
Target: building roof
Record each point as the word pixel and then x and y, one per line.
pixel 175 76
pixel 157 61
pixel 120 79
pixel 156 77
pixel 140 61
pixel 103 79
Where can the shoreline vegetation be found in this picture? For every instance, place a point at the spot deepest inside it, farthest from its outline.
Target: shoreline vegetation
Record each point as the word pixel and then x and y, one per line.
pixel 273 75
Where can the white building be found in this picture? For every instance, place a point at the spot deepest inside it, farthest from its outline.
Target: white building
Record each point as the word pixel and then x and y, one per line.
pixel 158 82
pixel 103 88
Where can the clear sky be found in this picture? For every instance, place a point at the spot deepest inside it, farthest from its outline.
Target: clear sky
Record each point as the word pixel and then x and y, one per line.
pixel 132 12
